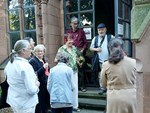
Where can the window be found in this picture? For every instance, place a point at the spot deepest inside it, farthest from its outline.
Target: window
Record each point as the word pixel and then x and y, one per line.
pixel 83 10
pixel 123 23
pixel 15 23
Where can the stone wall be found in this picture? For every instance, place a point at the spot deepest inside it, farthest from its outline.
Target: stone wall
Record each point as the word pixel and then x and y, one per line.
pixel 140 33
pixel 55 28
pixel 143 53
pixel 3 36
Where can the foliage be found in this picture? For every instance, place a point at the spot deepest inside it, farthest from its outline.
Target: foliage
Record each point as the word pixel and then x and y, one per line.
pixel 14 20
pixel 29 15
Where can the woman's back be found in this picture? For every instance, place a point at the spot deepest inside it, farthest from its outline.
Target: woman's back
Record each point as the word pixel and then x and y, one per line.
pixel 120 75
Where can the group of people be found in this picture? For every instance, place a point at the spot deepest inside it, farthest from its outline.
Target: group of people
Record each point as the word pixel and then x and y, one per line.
pixel 33 86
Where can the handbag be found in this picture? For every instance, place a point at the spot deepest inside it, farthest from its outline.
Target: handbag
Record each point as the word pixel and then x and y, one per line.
pixel 95 62
pixel 95 59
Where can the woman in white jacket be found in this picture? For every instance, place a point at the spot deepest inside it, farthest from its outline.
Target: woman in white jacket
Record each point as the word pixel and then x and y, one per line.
pixel 23 83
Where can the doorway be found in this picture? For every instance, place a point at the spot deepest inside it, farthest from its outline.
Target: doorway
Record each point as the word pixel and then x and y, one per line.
pixel 114 13
pixel 104 13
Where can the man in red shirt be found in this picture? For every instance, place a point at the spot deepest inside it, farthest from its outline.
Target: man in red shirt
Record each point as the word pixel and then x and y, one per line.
pixel 79 41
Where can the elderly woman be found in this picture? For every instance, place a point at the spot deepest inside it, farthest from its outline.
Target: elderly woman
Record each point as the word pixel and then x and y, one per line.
pixel 41 68
pixel 71 50
pixel 23 83
pixel 60 85
pixel 119 76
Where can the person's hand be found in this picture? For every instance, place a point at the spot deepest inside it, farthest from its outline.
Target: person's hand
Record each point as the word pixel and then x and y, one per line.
pixel 37 83
pixel 81 50
pixel 98 49
pixel 45 65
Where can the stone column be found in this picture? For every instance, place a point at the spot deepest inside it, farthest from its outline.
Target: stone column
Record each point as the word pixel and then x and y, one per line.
pixel 44 20
pixel 38 18
pixel 21 18
pixel 62 20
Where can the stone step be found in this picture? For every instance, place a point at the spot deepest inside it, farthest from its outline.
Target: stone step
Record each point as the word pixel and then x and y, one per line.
pixel 92 95
pixel 91 99
pixel 92 103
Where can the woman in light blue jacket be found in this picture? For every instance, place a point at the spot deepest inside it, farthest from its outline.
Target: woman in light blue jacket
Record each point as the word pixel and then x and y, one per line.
pixel 60 86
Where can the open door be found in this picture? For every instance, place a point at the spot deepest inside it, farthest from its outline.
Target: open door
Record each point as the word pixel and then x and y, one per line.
pixel 123 22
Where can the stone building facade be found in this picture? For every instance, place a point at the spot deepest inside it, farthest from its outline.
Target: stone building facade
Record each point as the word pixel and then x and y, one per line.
pixel 140 33
pixel 49 26
pixel 49 16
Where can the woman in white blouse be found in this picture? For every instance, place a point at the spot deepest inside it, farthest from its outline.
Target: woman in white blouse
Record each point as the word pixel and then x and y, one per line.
pixel 23 83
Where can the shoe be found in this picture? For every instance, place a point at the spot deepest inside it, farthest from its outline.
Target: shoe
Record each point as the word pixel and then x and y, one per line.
pixel 82 89
pixel 102 90
pixel 76 109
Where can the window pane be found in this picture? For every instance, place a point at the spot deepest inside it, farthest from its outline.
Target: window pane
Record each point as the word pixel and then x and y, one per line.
pixel 127 11
pixel 14 20
pixel 71 5
pixel 31 34
pixel 86 4
pixel 127 47
pixel 13 38
pixel 126 30
pixel 86 19
pixel 12 4
pixel 29 15
pixel 28 3
pixel 120 8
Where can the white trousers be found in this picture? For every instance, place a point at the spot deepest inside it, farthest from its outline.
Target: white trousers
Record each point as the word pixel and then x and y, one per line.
pixel 75 91
pixel 30 110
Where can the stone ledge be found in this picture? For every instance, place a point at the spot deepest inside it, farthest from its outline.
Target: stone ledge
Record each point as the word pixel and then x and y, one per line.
pixel 140 18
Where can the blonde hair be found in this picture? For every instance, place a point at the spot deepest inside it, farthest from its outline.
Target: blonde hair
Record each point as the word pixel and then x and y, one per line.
pixel 39 46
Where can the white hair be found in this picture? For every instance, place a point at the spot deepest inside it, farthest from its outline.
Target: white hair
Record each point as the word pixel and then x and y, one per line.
pixel 39 46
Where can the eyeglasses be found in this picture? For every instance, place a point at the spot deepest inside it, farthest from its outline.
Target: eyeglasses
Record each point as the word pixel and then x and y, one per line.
pixel 75 23
pixel 39 51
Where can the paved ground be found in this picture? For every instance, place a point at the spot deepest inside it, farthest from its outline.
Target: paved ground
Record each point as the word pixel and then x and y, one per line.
pixel 8 110
pixel 89 111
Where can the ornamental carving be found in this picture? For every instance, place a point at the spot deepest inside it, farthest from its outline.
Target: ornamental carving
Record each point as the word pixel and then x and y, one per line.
pixel 40 1
pixel 44 1
pixel 37 1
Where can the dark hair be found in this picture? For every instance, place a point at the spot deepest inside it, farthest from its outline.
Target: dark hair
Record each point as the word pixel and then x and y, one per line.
pixel 115 48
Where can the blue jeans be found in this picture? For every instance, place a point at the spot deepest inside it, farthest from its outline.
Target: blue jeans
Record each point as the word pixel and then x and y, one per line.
pixel 62 110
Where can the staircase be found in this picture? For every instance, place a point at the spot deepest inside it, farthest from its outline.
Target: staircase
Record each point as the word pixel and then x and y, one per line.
pixel 92 100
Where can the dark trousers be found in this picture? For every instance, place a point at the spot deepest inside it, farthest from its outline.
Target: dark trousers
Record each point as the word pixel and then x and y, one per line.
pixel 81 77
pixel 4 87
pixel 44 100
pixel 62 110
pixel 96 75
